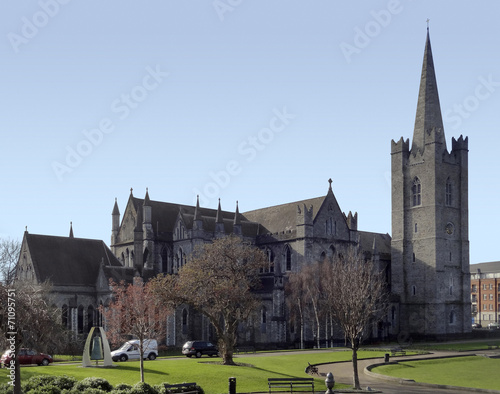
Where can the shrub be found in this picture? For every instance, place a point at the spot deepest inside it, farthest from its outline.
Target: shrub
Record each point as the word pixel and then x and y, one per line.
pixel 65 382
pixel 143 388
pixel 37 381
pixel 122 388
pixel 93 383
pixel 45 389
pixel 6 389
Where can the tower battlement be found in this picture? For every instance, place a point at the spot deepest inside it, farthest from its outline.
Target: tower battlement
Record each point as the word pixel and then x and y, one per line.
pixel 460 144
pixel 400 146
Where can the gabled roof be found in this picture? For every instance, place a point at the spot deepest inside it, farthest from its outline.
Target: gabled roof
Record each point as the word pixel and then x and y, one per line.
pixel 281 217
pixel 164 216
pixel 68 261
pixel 382 243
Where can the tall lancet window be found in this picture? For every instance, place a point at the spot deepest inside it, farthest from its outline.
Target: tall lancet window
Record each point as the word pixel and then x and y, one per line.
pixel 416 192
pixel 448 193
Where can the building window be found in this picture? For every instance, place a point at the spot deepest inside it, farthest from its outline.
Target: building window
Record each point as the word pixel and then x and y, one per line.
pixel 448 192
pixel 474 298
pixel 491 307
pixel 416 227
pixel 184 321
pixel 485 297
pixel 452 317
pixel 263 321
pixel 474 288
pixel 414 290
pixel 484 286
pixel 416 192
pixel 491 297
pixel 491 286
pixel 413 257
pixel 288 258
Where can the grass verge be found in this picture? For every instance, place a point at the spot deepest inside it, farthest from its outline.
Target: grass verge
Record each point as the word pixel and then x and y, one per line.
pixel 469 371
pixel 207 372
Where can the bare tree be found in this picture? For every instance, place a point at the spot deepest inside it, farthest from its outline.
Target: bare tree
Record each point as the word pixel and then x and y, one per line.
pixel 356 295
pixel 9 255
pixel 218 280
pixel 304 299
pixel 296 301
pixel 29 319
pixel 134 311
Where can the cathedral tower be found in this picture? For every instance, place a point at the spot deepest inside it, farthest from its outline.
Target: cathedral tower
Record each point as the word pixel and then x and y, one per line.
pixel 430 240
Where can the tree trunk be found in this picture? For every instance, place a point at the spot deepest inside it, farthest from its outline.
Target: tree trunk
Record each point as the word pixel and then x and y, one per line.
pixel 355 376
pixel 141 356
pixel 301 326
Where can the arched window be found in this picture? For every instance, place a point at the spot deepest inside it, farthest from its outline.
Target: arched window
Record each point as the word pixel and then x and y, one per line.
pixel 80 319
pixel 288 258
pixel 184 321
pixel 416 191
pixel 90 318
pixel 263 320
pixel 452 317
pixel 414 290
pixel 449 194
pixel 64 315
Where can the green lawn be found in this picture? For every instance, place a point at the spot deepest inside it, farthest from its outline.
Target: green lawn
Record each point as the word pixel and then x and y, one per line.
pixel 206 372
pixel 471 371
pixel 460 347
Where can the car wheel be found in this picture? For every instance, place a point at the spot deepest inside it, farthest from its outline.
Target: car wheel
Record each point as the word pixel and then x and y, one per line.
pixel 152 356
pixel 198 354
pixel 188 355
pixel 123 357
pixel 45 362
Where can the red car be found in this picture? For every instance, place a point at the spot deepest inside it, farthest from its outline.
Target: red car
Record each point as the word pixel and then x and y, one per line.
pixel 27 356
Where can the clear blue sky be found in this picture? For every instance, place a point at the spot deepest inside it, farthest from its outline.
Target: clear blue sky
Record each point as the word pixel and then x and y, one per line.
pixel 187 91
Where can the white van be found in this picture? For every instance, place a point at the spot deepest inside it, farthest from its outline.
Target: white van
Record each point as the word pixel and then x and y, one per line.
pixel 130 350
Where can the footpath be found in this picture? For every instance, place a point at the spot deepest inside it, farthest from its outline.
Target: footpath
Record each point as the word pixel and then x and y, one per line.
pixel 342 372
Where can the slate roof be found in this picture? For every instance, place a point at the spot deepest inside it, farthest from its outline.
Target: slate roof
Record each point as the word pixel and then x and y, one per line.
pixel 486 268
pixel 382 243
pixel 281 217
pixel 68 261
pixel 164 216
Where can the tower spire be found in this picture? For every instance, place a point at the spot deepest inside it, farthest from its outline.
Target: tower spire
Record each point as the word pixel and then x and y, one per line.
pixel 428 115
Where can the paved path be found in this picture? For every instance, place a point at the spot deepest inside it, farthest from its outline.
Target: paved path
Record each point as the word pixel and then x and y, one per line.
pixel 342 373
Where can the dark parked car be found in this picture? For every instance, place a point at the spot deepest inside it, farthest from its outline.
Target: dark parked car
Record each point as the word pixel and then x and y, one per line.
pixel 27 356
pixel 199 348
pixel 476 325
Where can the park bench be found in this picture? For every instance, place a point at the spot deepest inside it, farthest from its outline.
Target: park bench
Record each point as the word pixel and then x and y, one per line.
pixel 290 383
pixel 185 388
pixel 397 351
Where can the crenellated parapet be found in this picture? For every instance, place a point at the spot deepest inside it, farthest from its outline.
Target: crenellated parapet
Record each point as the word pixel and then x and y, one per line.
pixel 460 144
pixel 401 146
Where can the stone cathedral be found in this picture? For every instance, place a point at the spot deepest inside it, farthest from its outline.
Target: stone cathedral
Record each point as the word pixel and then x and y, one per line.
pixel 426 262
